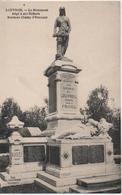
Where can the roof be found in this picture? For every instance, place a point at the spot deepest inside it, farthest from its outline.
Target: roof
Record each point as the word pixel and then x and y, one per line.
pixel 30 132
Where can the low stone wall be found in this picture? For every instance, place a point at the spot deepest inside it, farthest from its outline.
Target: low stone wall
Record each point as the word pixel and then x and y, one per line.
pixel 26 158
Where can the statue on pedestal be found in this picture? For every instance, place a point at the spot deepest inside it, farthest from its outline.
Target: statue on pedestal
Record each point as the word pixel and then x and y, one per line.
pixel 64 27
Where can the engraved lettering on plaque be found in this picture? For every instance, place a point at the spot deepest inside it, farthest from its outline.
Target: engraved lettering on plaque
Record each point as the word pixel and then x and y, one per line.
pixel 34 153
pixel 96 154
pixel 87 154
pixel 68 92
pixel 79 155
pixel 16 155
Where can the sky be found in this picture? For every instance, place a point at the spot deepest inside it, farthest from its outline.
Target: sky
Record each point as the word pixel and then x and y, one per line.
pixel 27 48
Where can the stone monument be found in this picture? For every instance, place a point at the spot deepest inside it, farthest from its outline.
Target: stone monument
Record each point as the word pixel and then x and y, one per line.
pixel 63 110
pixel 26 155
pixel 73 149
pixel 68 156
pixel 63 101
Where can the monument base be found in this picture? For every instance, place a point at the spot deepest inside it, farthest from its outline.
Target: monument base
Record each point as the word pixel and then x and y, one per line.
pixel 72 184
pixel 21 174
pixel 69 160
pixel 86 156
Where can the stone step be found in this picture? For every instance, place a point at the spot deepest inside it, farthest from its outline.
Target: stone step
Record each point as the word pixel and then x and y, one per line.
pixel 12 177
pixel 80 189
pixel 48 178
pixel 3 175
pixel 2 183
pixel 97 181
pixel 6 177
pixel 55 181
pixel 49 187
pixel 8 180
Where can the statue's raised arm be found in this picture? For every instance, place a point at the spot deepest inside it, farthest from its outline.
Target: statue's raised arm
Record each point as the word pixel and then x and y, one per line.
pixel 62 28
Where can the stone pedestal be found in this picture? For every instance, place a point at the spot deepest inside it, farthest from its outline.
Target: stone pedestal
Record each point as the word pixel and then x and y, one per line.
pixel 26 159
pixel 70 160
pixel 73 150
pixel 63 102
pixel 15 149
pixel 80 158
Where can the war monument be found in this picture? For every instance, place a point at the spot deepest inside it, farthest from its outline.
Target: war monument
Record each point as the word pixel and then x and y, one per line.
pixel 68 156
pixel 77 158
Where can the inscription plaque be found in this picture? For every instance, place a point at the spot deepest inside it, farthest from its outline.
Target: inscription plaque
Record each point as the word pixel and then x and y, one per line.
pixel 34 153
pixel 54 155
pixel 68 92
pixel 79 155
pixel 16 155
pixel 96 154
pixel 87 154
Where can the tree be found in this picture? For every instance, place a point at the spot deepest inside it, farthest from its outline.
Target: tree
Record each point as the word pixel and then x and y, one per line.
pixel 115 132
pixel 117 119
pixel 35 117
pixel 8 110
pixel 98 108
pixel 97 103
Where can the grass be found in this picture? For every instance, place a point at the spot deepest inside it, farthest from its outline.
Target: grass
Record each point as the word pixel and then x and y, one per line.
pixel 26 188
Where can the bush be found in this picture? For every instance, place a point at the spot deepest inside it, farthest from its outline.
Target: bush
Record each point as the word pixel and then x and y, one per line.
pixel 4 148
pixel 4 162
